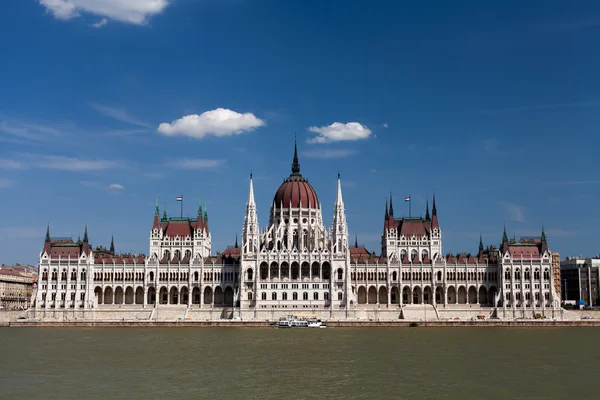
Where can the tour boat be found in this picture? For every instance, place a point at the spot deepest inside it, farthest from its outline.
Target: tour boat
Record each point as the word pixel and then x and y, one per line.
pixel 293 321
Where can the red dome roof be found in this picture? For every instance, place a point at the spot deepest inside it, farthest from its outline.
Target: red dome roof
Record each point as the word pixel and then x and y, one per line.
pixel 296 190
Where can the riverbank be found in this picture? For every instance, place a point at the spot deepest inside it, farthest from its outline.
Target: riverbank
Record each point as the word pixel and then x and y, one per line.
pixel 333 324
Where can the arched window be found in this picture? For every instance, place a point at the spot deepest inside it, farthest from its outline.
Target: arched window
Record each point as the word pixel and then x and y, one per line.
pixel 547 274
pixel 178 254
pixel 263 296
pixel 284 296
pixel 305 296
pixel 151 277
pixel 340 296
pixel 304 239
pixel 188 253
pixel 394 276
pixel 196 275
pixel 527 274
pixel 274 296
pixel 167 254
pixel 340 273
pixel 250 274
pixel 439 275
pixel 507 274
pixel 424 254
pixel 517 274
pixel 536 274
pixel 294 296
pixel 316 296
pixel 414 254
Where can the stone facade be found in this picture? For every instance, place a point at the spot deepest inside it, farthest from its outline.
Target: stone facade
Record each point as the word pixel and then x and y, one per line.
pixel 296 265
pixel 16 289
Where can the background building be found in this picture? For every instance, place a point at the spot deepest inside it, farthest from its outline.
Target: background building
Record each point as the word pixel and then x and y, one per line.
pixel 580 279
pixel 16 286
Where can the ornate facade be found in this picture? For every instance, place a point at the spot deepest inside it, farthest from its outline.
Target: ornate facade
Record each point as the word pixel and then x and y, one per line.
pixel 298 264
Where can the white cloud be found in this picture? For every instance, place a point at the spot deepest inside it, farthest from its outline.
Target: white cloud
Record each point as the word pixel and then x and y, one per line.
pixel 10 164
pixel 120 115
pixel 338 132
pixel 514 212
pixel 219 122
pixel 29 131
pixel 196 163
pixel 116 186
pixel 130 11
pixel 100 23
pixel 385 125
pixel 326 154
pixel 6 183
pixel 59 163
pixel 75 164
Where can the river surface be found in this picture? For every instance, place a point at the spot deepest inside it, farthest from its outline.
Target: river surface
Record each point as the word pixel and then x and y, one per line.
pixel 266 363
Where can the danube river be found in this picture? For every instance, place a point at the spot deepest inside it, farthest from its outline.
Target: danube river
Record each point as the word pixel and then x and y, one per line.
pixel 266 363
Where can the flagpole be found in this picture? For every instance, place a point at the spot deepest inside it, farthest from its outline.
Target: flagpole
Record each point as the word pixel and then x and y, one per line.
pixel 181 206
pixel 409 203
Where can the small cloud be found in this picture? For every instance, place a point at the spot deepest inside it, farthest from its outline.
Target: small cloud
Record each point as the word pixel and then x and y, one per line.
pixel 29 131
pixel 116 186
pixel 129 11
pixel 219 122
pixel 11 164
pixel 75 164
pixel 384 125
pixel 514 212
pixel 196 163
pixel 100 23
pixel 349 184
pixel 326 154
pixel 338 131
pixel 6 183
pixel 119 114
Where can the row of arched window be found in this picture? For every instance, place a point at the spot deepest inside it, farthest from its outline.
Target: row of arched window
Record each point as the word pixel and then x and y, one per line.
pixel 284 296
pixel 526 274
pixel 63 275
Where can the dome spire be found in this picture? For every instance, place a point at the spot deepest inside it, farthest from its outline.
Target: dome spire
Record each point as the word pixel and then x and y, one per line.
pixel 295 163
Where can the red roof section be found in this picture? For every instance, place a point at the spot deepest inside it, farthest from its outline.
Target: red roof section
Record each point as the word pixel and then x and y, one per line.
pixel 296 190
pixel 524 251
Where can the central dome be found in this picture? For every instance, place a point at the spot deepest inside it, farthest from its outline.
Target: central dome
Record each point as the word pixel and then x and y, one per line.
pixel 296 190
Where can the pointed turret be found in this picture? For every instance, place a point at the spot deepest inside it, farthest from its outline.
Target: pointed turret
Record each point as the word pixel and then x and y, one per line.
pixel 156 223
pixel 205 218
pixel 295 163
pixel 338 196
pixel 164 217
pixel 47 240
pixel 356 241
pixel 427 217
pixel 505 243
pixel 236 242
pixel 480 245
pixel 339 234
pixel 434 217
pixel 544 240
pixel 386 218
pixel 250 227
pixel 112 244
pixel 85 235
pixel 391 207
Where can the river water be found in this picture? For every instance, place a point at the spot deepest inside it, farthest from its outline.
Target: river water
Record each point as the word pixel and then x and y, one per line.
pixel 266 363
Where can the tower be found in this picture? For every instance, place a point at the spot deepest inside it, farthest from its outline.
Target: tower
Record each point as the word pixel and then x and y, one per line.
pixel 339 231
pixel 250 228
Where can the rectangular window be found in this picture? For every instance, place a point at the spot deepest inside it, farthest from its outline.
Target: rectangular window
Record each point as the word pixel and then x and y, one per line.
pixel 340 296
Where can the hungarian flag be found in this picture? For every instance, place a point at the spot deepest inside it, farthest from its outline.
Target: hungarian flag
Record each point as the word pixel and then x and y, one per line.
pixel 179 198
pixel 407 198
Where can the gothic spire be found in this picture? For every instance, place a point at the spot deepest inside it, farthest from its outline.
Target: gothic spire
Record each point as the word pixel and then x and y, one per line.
pixel 205 212
pixel 48 234
pixel 387 215
pixel 236 242
pixel 251 192
pixel 156 210
pixel 295 163
pixel 164 217
pixel 391 207
pixel 200 208
pixel 356 241
pixel 338 198
pixel 504 236
pixel 112 244
pixel 427 217
pixel 85 235
pixel 480 244
pixel 433 208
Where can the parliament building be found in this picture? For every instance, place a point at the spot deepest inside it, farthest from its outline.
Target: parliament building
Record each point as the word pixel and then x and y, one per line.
pixel 296 265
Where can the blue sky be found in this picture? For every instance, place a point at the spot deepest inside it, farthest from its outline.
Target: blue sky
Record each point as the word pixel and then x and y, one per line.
pixel 492 105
